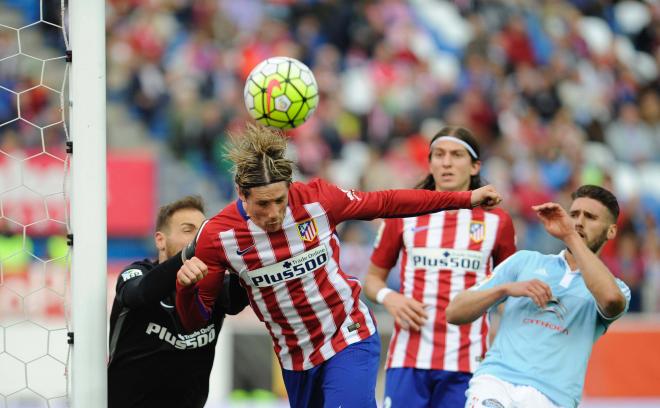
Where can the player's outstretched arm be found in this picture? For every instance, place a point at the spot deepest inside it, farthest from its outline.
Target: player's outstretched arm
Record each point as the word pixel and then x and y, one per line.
pixel 408 312
pixel 469 305
pixel 358 205
pixel 141 288
pixel 598 278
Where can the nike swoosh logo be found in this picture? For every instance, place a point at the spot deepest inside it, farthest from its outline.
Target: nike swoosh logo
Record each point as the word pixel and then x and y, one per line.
pixel 415 229
pixel 274 83
pixel 243 252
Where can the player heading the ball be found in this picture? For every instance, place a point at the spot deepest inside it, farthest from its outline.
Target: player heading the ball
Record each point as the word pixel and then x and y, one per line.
pixel 280 238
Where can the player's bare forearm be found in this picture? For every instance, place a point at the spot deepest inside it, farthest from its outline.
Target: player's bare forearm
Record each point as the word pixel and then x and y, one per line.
pixel 469 305
pixel 374 281
pixel 597 277
pixel 407 312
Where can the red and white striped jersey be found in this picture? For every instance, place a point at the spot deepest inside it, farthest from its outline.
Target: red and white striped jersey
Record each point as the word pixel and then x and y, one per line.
pixel 441 255
pixel 309 305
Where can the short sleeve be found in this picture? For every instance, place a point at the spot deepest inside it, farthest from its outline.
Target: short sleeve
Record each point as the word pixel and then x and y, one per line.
pixel 505 244
pixel 128 279
pixel 388 243
pixel 606 321
pixel 505 272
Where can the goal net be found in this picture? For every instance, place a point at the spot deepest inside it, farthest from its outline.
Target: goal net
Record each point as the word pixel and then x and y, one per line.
pixel 34 255
pixel 38 190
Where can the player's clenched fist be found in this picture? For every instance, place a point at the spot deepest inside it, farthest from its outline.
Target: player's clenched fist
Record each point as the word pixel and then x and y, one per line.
pixel 485 197
pixel 193 270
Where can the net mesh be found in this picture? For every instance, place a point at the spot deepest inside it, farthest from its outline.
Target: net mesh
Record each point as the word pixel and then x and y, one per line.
pixel 34 255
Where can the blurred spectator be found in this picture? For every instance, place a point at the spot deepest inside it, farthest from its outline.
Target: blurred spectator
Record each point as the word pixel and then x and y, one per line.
pixel 560 91
pixel 14 252
pixel 631 139
pixel 627 264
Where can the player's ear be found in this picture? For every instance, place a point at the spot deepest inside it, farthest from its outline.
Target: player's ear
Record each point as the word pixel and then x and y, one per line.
pixel 475 168
pixel 242 194
pixel 159 240
pixel 611 231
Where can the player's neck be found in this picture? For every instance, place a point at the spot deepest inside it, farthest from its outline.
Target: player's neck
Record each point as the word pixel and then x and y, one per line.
pixel 570 259
pixel 451 190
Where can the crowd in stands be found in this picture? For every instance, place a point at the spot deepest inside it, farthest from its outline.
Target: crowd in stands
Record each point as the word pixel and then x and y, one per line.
pixel 560 93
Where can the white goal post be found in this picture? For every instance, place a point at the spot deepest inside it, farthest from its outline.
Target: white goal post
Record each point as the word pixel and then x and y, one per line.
pixel 87 81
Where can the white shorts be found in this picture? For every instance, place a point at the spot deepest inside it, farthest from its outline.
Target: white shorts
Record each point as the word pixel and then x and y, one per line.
pixel 487 391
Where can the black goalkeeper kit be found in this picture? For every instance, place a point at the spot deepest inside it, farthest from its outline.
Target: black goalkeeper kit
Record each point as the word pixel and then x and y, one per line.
pixel 153 361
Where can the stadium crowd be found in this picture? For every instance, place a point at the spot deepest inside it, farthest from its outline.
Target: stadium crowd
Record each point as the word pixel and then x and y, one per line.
pixel 559 93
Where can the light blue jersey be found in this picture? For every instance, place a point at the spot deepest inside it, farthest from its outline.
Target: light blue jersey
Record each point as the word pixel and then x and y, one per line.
pixel 547 349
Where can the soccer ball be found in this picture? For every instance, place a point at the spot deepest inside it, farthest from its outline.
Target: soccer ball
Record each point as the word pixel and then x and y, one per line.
pixel 281 92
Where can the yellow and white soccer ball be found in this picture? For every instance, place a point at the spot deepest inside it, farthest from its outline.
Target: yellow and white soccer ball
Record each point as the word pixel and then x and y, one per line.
pixel 281 92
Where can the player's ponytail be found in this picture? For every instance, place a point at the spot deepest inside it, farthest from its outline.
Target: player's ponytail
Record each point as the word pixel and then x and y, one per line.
pixel 258 157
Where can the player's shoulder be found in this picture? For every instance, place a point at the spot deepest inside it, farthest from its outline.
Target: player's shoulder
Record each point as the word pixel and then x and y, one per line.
pixel 144 264
pixel 135 269
pixel 310 191
pixel 520 260
pixel 498 212
pixel 228 218
pixel 313 185
pixel 524 255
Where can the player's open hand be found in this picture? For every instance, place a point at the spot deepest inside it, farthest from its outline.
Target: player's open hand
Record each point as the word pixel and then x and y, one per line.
pixel 192 271
pixel 534 289
pixel 555 220
pixel 485 197
pixel 408 312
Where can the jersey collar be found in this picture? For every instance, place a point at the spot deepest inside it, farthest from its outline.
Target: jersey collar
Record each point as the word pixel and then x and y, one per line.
pixel 241 210
pixel 569 275
pixel 562 255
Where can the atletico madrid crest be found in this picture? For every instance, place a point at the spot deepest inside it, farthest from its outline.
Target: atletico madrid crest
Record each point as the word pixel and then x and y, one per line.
pixel 477 231
pixel 307 230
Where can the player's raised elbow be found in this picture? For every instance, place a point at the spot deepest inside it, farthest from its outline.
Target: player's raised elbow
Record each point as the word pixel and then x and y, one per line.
pixel 614 304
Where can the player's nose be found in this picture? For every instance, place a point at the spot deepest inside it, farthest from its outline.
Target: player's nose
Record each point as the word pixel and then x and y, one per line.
pixel 273 213
pixel 578 223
